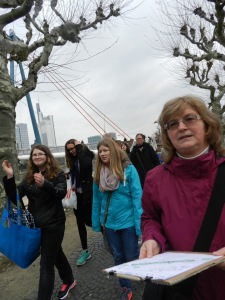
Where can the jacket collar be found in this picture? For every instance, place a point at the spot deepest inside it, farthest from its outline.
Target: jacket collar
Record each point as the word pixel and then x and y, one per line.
pixel 197 167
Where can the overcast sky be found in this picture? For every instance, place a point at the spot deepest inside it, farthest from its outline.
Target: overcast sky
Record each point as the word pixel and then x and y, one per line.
pixel 128 82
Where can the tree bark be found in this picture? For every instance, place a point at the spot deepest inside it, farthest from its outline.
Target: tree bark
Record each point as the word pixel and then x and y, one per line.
pixel 7 121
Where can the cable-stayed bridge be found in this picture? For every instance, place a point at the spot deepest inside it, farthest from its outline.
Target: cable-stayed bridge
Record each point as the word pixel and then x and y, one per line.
pixel 58 152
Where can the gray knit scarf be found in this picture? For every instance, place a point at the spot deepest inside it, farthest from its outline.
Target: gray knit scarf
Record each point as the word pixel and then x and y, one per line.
pixel 108 181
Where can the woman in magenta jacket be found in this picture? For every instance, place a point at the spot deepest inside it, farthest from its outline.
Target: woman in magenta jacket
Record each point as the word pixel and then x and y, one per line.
pixel 176 194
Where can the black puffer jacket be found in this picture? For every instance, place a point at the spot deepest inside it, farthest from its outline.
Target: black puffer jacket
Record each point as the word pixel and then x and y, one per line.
pixel 144 159
pixel 44 203
pixel 85 158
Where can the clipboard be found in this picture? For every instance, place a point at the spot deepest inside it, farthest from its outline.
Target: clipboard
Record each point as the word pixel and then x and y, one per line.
pixel 167 268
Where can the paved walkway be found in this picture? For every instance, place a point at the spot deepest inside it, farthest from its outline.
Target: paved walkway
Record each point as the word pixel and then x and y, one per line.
pixel 92 283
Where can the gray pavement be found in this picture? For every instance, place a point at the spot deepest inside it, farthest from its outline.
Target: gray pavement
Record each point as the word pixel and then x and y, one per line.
pixel 92 282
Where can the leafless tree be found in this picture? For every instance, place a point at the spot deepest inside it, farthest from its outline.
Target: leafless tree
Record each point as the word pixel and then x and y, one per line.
pixel 46 24
pixel 193 34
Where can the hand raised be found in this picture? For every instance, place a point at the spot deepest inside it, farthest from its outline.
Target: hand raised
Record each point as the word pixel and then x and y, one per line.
pixel 7 168
pixel 77 142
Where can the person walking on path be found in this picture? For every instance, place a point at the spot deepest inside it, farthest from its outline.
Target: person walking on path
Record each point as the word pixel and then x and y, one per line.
pixel 143 157
pixel 177 196
pixel 79 161
pixel 125 147
pixel 116 180
pixel 44 185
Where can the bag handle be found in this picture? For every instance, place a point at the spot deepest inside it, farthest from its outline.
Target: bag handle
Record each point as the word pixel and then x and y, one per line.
pixel 212 214
pixel 208 227
pixel 18 206
pixel 107 207
pixel 141 163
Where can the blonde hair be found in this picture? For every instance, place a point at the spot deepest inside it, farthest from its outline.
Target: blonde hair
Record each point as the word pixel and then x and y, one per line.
pixel 212 123
pixel 117 157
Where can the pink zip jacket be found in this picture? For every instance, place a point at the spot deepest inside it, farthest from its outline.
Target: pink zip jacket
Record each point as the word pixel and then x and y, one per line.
pixel 175 198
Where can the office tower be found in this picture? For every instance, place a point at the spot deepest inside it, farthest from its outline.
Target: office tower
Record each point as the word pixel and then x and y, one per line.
pixel 22 138
pixel 46 128
pixel 93 141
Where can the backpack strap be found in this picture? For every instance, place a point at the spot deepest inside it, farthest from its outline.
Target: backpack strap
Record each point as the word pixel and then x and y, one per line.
pixel 213 213
pixel 206 233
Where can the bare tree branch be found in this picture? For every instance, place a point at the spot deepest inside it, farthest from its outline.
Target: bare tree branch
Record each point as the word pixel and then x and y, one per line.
pixel 53 6
pixel 195 32
pixel 10 3
pixel 16 14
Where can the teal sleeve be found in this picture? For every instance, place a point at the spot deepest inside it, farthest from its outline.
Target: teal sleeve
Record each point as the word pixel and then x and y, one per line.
pixel 96 208
pixel 135 187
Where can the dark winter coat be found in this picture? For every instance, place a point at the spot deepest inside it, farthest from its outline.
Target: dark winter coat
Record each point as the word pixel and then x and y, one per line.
pixel 85 158
pixel 144 159
pixel 44 203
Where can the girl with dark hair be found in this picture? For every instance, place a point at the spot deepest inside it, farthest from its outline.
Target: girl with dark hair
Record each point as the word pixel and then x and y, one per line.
pixel 45 186
pixel 79 160
pixel 124 146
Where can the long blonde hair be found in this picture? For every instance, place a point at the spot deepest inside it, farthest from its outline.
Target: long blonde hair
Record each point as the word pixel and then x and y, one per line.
pixel 212 123
pixel 117 157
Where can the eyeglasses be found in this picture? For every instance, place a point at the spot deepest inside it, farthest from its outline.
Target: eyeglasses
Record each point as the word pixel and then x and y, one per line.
pixel 188 120
pixel 38 155
pixel 71 149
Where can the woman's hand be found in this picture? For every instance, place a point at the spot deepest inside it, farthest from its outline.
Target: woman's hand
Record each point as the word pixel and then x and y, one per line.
pixel 149 248
pixel 39 179
pixel 77 142
pixel 220 252
pixel 7 168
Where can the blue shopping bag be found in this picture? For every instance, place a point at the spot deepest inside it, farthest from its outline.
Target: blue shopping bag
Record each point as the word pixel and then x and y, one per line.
pixel 18 242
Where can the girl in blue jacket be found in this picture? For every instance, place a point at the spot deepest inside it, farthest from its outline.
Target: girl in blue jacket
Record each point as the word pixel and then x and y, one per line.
pixel 116 175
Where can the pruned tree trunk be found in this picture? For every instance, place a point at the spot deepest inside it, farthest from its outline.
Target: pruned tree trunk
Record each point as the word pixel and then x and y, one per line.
pixel 7 122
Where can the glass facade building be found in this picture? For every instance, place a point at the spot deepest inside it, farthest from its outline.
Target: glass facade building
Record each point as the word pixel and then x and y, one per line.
pixel 22 138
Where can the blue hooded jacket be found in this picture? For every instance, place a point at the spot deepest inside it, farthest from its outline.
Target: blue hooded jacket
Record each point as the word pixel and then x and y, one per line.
pixel 125 204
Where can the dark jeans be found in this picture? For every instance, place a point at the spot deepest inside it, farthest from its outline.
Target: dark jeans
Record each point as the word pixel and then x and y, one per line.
pixel 124 246
pixel 52 255
pixel 83 217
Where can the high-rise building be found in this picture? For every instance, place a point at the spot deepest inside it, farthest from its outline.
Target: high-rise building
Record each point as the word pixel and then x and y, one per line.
pixel 46 128
pixel 22 138
pixel 93 141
